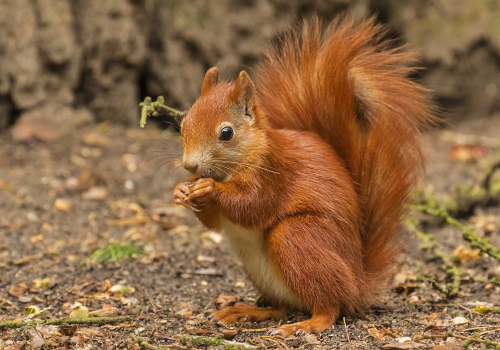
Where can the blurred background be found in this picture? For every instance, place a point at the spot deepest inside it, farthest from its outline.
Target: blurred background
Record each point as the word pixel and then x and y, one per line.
pixel 94 60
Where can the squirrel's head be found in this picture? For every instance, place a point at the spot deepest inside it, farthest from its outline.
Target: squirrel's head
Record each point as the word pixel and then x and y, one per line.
pixel 220 130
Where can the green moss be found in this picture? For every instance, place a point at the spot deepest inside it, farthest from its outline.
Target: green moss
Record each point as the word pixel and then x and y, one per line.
pixel 115 252
pixel 204 341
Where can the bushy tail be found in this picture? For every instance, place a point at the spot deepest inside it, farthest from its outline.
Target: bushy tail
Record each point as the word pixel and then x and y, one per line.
pixel 352 89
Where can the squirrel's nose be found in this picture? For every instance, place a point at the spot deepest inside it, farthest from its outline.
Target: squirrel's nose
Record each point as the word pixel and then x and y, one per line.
pixel 191 167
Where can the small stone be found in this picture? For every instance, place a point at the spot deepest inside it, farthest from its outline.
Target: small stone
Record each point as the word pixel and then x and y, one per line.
pixel 96 194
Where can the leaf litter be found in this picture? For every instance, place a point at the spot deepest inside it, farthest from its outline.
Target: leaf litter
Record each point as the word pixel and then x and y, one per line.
pixel 150 261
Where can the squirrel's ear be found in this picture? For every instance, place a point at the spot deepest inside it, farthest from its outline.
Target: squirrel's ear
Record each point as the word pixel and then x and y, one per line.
pixel 244 91
pixel 211 79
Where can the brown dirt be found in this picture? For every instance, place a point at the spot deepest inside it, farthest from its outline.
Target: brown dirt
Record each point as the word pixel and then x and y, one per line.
pixel 174 278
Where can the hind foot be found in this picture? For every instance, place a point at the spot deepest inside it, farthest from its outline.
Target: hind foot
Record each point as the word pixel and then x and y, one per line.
pixel 231 314
pixel 316 324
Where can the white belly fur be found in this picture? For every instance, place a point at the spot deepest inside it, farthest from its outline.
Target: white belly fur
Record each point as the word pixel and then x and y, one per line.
pixel 248 245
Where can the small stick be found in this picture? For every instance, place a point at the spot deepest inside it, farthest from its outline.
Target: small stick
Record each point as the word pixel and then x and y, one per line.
pixel 255 330
pixel 142 342
pixel 346 332
pixel 93 320
pixel 470 311
pixel 479 328
pixel 451 334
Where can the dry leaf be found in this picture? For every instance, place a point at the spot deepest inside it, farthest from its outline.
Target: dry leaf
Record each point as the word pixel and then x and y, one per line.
pixel 466 153
pixel 79 311
pixel 96 194
pixel 62 204
pixel 465 254
pixel 460 320
pixel 208 271
pixel 225 300
pixel 186 312
pixel 117 291
pixel 108 312
pixel 95 139
pixel 311 339
pixel 18 289
pixel 229 334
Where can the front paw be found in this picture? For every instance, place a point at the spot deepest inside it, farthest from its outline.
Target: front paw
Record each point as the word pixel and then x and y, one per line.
pixel 202 191
pixel 181 195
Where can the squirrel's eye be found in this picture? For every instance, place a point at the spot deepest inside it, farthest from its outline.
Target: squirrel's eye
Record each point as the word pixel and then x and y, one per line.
pixel 226 133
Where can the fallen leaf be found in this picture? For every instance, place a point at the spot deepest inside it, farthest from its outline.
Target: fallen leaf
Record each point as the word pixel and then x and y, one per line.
pixel 211 236
pixel 460 320
pixel 239 283
pixel 403 339
pixel 130 162
pixel 229 334
pixel 72 184
pixel 96 194
pixel 117 291
pixel 203 332
pixel 466 153
pixel 18 289
pixel 96 139
pixel 32 310
pixel 109 312
pixel 311 339
pixel 208 271
pixel 79 311
pixel 186 312
pixel 465 254
pixel 62 204
pixel 225 300
pixel 37 342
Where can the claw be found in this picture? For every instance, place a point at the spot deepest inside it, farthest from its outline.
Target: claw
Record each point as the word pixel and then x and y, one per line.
pixel 276 331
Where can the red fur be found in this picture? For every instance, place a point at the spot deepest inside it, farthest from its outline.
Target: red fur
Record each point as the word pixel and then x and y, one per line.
pixel 336 120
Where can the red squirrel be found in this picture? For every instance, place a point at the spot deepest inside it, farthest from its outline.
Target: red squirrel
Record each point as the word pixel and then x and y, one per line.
pixel 307 170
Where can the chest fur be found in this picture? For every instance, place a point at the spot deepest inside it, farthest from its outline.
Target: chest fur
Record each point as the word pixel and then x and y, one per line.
pixel 249 247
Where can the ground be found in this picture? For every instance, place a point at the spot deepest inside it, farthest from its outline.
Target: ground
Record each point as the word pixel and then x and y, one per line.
pixel 64 201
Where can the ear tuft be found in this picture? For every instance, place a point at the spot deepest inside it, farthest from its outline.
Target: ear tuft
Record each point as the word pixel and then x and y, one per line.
pixel 244 90
pixel 211 79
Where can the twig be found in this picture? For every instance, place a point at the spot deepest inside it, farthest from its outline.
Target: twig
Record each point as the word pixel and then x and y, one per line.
pixel 470 311
pixel 93 320
pixel 157 108
pixel 452 289
pixel 482 244
pixel 346 332
pixel 256 330
pixel 142 342
pixel 479 328
pixel 278 342
pixel 450 334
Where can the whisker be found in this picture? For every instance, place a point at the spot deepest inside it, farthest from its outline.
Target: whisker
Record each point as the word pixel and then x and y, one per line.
pixel 167 122
pixel 251 165
pixel 215 169
pixel 165 163
pixel 236 171
pixel 163 151
pixel 225 172
pixel 170 159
